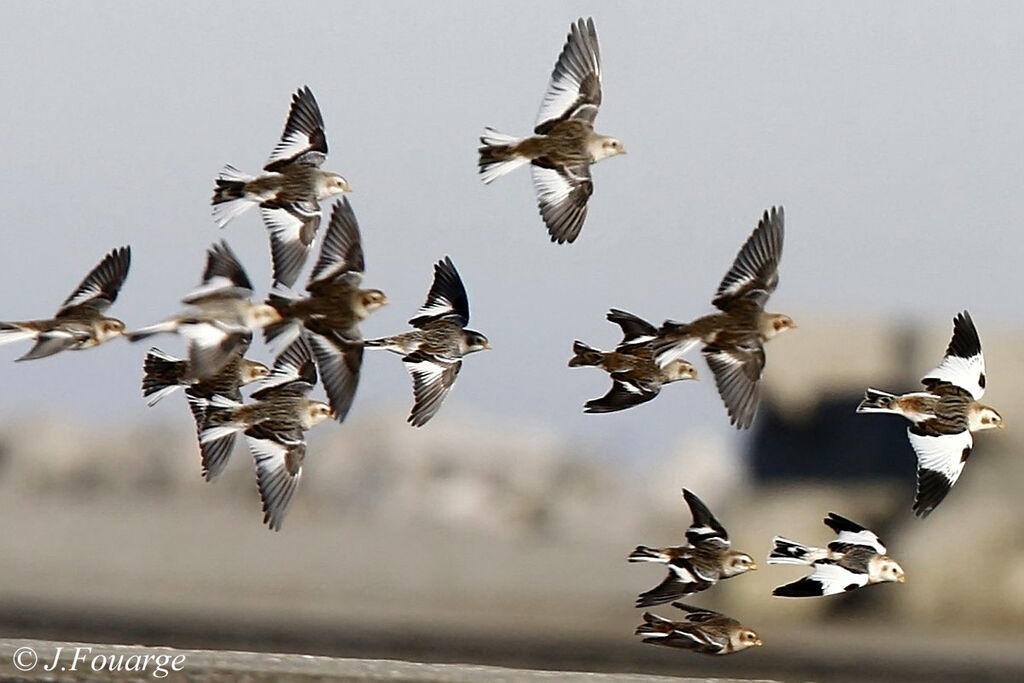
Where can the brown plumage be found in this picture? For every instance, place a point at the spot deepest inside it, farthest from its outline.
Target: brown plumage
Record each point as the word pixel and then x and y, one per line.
pixel 702 630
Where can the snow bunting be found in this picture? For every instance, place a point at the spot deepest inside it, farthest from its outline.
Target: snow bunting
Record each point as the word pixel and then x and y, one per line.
pixel 943 416
pixel 289 192
pixel 329 317
pixel 433 352
pixel 700 564
pixel 80 323
pixel 702 630
pixel 165 373
pixel 856 558
pixel 274 425
pixel 565 144
pixel 734 338
pixel 222 317
pixel 636 378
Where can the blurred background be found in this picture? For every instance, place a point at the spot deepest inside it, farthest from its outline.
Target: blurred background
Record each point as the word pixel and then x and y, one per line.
pixel 498 533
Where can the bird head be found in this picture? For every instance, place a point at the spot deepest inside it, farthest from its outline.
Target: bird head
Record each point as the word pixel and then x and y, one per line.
pixel 261 315
pixel 609 147
pixel 108 329
pixel 316 412
pixel 334 184
pixel 474 341
pixel 680 369
pixel 743 637
pixel 989 418
pixel 253 370
pixel 773 324
pixel 739 563
pixel 372 299
pixel 888 570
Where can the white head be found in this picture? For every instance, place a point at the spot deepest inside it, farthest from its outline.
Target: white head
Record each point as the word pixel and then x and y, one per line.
pixel 679 369
pixel 884 569
pixel 986 418
pixel 107 329
pixel 332 184
pixel 737 563
pixel 742 637
pixel 775 323
pixel 314 413
pixel 603 147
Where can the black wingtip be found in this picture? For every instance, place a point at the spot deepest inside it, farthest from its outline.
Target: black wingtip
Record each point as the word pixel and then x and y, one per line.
pixel 838 524
pixel 965 342
pixel 804 588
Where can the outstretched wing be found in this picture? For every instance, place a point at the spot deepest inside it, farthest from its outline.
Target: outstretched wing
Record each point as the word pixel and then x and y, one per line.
pixel 447 298
pixel 278 460
pixel 303 140
pixel 432 380
pixel 562 196
pixel 755 272
pixel 625 393
pixel 851 533
pixel 223 278
pixel 737 372
pixel 574 91
pixel 100 287
pixel 635 330
pixel 964 364
pixel 342 248
pixel 828 579
pixel 292 229
pixel 940 460
pixel 705 529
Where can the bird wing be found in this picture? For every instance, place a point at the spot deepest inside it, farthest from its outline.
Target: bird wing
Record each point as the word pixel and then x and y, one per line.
pixel 293 372
pixel 278 460
pixel 828 578
pixel 214 453
pixel 223 278
pixel 562 196
pixel 682 579
pixel 212 345
pixel 292 229
pixel 447 298
pixel 342 248
pixel 737 372
pixel 432 379
pixel 574 91
pixel 625 393
pixel 940 460
pixel 964 365
pixel 697 614
pixel 635 330
pixel 100 287
pixel 54 341
pixel 303 140
pixel 756 268
pixel 851 533
pixel 339 364
pixel 705 529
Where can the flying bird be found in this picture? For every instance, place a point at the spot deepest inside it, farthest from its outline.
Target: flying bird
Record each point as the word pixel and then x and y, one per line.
pixel 636 378
pixel 702 630
pixel 164 374
pixel 329 316
pixel 80 323
pixel 734 337
pixel 855 559
pixel 565 145
pixel 700 564
pixel 274 424
pixel 289 193
pixel 432 353
pixel 222 317
pixel 943 416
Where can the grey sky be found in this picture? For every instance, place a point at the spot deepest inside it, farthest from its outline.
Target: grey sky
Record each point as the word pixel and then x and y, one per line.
pixel 891 133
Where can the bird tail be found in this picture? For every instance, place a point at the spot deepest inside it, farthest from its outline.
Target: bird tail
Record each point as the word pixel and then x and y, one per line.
pixel 282 301
pixel 654 626
pixel 218 418
pixel 150 330
pixel 876 401
pixel 163 375
pixel 674 339
pixel 383 342
pixel 13 332
pixel 585 355
pixel 788 552
pixel 645 554
pixel 498 155
pixel 230 195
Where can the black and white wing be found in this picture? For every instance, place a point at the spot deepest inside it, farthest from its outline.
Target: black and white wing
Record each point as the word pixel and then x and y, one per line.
pixel 737 372
pixel 940 460
pixel 625 393
pixel 223 278
pixel 292 229
pixel 851 533
pixel 212 345
pixel 755 272
pixel 635 330
pixel 278 460
pixel 574 91
pixel 294 372
pixel 562 196
pixel 303 140
pixel 55 341
pixel 705 529
pixel 447 298
pixel 214 453
pixel 682 579
pixel 432 379
pixel 100 287
pixel 339 363
pixel 964 364
pixel 342 248
pixel 828 578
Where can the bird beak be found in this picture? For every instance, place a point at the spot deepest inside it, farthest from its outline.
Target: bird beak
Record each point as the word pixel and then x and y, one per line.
pixel 758 642
pixel 487 345
pixel 753 567
pixel 1002 425
pixel 902 579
